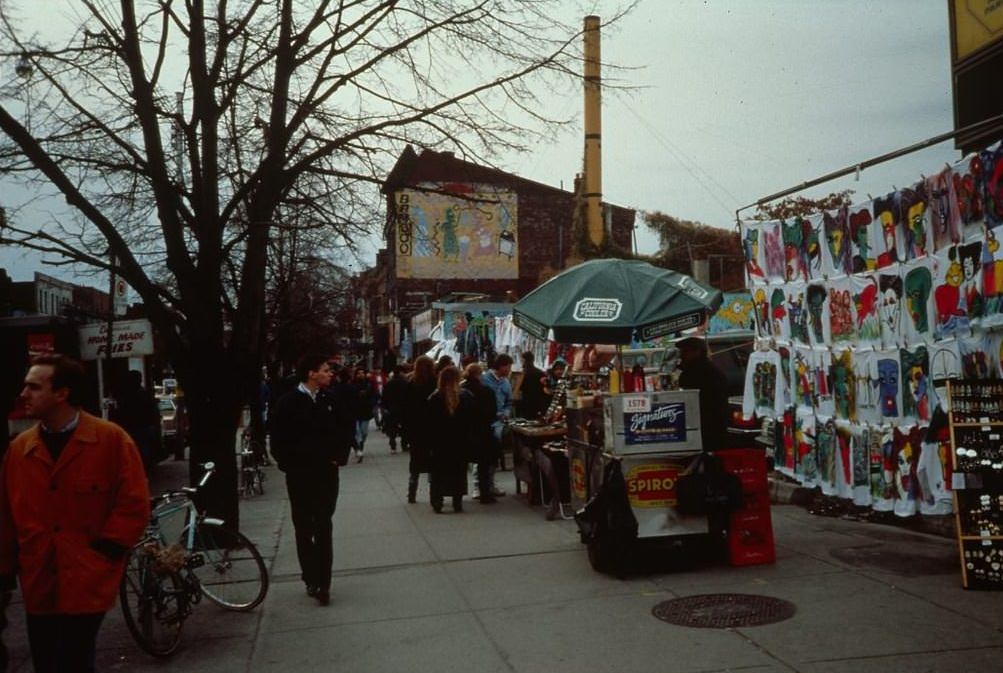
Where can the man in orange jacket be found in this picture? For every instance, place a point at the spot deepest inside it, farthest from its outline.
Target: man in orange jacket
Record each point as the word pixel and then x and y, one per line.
pixel 73 500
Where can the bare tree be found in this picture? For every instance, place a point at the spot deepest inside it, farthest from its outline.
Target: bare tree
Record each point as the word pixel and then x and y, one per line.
pixel 176 131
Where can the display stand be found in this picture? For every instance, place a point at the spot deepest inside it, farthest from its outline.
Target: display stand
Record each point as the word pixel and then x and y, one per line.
pixel 976 422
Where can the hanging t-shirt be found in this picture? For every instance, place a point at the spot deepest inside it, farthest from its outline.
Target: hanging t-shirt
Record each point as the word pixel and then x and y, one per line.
pixel 842 319
pixel 863 256
pixel 914 220
pixel 886 221
pixel 772 252
pixel 860 460
pixel 906 450
pixel 836 258
pixel 866 296
pixel 752 251
pixel 764 381
pixel 761 311
pixel 826 453
pixel 865 372
pixel 844 386
pixel 945 360
pixel 975 352
pixel 945 220
pixel 918 394
pixel 992 277
pixel 890 308
pixel 994 346
pixel 950 309
pixel 819 320
pixel 814 239
pixel 806 465
pixel 881 447
pixel 797 313
pixel 969 190
pixel 934 476
pixel 780 324
pixel 886 373
pixel 919 311
pixel 795 255
pixel 970 255
pixel 992 170
pixel 844 459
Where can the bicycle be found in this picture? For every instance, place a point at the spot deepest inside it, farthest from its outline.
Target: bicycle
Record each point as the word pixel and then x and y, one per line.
pixel 252 459
pixel 163 582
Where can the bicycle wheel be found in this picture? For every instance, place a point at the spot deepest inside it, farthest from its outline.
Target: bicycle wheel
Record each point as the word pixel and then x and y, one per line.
pixel 152 605
pixel 233 574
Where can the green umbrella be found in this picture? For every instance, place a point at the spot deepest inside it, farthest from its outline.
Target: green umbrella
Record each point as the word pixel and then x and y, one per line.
pixel 606 300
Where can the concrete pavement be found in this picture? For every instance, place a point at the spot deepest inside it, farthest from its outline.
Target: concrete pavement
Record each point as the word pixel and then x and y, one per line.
pixel 499 589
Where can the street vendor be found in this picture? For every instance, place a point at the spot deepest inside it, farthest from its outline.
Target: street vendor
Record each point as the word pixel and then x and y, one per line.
pixel 699 373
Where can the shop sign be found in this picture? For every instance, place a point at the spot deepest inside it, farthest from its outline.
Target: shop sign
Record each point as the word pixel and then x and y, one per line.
pixel 662 422
pixel 129 338
pixel 652 485
pixel 594 309
pixel 41 344
pixel 578 478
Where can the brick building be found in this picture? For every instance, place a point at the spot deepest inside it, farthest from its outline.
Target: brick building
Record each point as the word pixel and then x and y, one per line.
pixel 456 228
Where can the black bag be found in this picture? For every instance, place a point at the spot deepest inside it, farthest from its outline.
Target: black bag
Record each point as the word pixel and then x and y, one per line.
pixel 707 489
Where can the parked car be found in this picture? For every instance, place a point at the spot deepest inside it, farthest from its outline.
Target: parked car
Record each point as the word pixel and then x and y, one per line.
pixel 173 423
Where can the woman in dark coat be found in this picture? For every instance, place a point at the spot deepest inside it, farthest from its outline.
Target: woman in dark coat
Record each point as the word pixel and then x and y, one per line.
pixel 449 412
pixel 483 414
pixel 415 423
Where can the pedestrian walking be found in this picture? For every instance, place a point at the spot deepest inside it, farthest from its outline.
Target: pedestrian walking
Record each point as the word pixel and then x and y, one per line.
pixel 311 438
pixel 482 417
pixel 496 379
pixel 449 411
pixel 137 412
pixel 394 393
pixel 416 422
pixel 364 408
pixel 73 501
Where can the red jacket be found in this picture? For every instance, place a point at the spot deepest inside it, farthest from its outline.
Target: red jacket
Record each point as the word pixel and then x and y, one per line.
pixel 51 513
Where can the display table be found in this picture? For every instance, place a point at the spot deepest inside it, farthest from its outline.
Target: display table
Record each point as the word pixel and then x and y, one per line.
pixel 528 437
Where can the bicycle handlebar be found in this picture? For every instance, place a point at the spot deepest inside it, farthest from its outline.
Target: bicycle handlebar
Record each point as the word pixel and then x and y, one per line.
pixel 185 491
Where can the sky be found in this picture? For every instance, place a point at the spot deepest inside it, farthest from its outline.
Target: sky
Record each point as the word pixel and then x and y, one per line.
pixel 729 101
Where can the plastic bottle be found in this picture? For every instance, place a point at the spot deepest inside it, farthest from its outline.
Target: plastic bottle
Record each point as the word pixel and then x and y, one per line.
pixel 614 381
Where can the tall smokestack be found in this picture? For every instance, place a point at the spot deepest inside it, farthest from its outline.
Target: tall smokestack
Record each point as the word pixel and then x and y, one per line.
pixel 593 134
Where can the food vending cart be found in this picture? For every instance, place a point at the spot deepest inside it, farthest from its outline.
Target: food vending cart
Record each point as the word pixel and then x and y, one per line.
pixel 646 440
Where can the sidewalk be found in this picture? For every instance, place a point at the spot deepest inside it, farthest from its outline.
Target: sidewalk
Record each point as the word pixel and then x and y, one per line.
pixel 499 589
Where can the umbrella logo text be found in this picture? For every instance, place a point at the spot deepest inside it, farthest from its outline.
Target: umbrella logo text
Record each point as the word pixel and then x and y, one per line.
pixel 592 309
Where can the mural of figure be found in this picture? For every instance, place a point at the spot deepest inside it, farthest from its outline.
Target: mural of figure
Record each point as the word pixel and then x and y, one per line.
pixel 890 309
pixel 485 246
pixel 860 230
pixel 971 261
pixel 918 282
pixel 450 241
pixel 837 239
pixel 888 387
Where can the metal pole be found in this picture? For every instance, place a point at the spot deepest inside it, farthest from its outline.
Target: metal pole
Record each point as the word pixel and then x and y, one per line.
pixel 592 190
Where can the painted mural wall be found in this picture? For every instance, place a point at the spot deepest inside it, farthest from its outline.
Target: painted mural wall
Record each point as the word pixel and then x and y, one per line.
pixel 456 231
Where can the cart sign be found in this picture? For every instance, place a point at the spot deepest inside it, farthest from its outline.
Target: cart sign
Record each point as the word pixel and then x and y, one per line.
pixel 661 422
pixel 652 332
pixel 652 485
pixel 129 338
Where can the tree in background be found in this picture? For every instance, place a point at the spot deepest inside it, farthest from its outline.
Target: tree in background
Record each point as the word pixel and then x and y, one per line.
pixel 182 135
pixel 682 243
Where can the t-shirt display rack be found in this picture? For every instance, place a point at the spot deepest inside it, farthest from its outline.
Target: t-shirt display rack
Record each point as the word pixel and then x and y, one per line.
pixel 976 422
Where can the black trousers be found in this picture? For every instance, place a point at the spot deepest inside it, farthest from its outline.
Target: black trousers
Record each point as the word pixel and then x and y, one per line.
pixel 313 496
pixel 63 643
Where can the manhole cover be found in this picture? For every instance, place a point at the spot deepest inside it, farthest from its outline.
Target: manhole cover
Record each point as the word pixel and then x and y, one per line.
pixel 723 611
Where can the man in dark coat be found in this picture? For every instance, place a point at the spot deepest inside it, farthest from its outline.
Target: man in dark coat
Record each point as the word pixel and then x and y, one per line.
pixel 534 402
pixel 394 393
pixel 311 437
pixel 699 373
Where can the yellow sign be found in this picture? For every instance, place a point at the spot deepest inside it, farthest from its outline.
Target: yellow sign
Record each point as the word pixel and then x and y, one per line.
pixel 977 24
pixel 456 231
pixel 652 485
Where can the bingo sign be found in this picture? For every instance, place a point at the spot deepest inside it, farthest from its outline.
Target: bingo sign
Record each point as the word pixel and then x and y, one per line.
pixel 645 422
pixel 652 485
